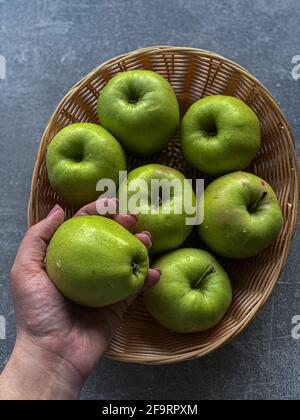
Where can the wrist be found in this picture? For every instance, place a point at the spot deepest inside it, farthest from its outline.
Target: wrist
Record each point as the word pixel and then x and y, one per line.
pixel 33 373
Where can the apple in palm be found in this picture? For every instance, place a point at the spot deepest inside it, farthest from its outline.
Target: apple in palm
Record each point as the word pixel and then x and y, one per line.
pixel 78 157
pixel 220 134
pixel 140 108
pixel 193 294
pixel 242 215
pixel 95 262
pixel 164 216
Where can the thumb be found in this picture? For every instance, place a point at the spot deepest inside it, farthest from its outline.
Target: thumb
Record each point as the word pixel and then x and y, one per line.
pixel 34 245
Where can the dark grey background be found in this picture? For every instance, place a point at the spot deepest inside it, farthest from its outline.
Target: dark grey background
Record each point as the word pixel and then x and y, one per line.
pixel 49 45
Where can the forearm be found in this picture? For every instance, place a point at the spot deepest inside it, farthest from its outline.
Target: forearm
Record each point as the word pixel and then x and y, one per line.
pixel 33 374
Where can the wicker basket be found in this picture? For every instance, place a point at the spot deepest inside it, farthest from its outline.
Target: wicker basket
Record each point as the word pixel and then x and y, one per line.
pixel 193 74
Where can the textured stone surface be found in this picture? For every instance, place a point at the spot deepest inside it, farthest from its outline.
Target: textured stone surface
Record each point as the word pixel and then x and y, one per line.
pixel 49 45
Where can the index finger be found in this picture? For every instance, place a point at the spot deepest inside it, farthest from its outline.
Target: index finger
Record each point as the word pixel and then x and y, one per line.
pixel 129 221
pixel 91 209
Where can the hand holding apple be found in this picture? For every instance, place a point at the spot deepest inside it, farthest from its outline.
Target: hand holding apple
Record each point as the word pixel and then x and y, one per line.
pixel 58 343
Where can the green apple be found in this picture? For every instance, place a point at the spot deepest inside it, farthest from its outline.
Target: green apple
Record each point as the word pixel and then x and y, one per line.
pixel 220 134
pixel 193 294
pixel 164 216
pixel 140 108
pixel 95 262
pixel 241 215
pixel 78 157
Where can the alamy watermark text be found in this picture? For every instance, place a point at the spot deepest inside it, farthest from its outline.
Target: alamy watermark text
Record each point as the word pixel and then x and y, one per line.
pixel 160 196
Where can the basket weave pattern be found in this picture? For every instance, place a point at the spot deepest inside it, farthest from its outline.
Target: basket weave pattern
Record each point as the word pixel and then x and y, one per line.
pixel 193 74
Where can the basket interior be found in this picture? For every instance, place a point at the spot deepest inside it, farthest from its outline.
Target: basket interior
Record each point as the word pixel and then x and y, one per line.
pixel 193 74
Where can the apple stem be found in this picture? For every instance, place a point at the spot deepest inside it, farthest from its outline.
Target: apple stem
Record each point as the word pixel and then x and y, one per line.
pixel 255 205
pixel 210 269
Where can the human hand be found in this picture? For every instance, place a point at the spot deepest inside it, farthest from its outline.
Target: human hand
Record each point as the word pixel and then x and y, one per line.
pixel 57 341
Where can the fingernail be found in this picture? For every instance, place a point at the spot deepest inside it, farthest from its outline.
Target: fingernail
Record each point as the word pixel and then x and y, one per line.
pixel 157 269
pixel 149 244
pixel 145 232
pixel 54 210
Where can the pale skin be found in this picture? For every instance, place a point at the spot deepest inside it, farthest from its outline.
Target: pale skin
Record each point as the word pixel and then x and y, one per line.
pixel 58 343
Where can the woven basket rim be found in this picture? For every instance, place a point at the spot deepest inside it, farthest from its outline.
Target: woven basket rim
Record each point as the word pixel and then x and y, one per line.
pixel 291 143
